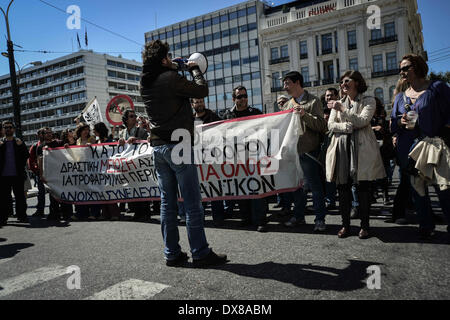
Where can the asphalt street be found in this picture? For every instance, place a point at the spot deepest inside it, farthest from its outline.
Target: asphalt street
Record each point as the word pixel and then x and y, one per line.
pixel 124 260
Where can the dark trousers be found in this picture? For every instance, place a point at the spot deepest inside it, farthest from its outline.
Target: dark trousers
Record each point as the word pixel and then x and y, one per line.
pixel 403 196
pixel 16 184
pixel 345 203
pixel 41 195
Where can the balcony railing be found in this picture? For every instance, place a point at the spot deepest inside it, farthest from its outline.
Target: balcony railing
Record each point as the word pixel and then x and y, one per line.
pixel 375 42
pixel 314 10
pixel 385 73
pixel 327 51
pixel 279 60
pixel 307 84
pixel 352 46
pixel 303 56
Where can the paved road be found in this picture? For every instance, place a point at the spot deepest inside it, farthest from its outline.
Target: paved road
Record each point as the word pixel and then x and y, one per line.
pixel 124 260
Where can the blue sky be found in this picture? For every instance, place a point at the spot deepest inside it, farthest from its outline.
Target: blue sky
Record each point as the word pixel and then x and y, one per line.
pixel 36 26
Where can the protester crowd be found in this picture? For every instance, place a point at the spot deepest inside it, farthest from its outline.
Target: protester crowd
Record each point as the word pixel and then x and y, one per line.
pixel 347 152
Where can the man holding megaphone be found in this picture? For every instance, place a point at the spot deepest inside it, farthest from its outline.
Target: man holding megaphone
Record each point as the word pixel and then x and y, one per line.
pixel 166 95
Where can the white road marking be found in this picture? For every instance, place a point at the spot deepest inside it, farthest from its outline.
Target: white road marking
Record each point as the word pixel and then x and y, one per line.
pixel 30 279
pixel 131 289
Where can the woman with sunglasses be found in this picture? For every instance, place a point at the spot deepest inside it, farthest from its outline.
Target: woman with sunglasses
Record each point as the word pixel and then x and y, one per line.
pixel 353 155
pixel 421 111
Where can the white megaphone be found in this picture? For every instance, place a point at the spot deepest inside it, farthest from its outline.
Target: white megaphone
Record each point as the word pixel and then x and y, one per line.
pixel 201 61
pixel 196 57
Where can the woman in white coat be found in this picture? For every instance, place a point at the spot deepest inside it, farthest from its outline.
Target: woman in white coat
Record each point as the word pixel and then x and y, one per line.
pixel 353 154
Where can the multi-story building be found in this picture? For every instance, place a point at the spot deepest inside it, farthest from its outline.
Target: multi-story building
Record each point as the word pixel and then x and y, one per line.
pixel 54 93
pixel 323 39
pixel 229 39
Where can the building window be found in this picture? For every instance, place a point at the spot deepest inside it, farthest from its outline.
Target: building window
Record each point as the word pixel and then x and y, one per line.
pixel 389 29
pixel 303 50
pixel 276 80
pixel 353 64
pixel 274 53
pixel 391 60
pixel 377 63
pixel 327 43
pixel 284 51
pixel 305 73
pixel 251 10
pixel 376 34
pixel 379 94
pixel 351 35
pixel 242 13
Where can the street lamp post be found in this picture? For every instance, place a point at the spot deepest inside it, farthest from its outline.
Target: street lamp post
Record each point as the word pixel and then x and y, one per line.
pixel 12 72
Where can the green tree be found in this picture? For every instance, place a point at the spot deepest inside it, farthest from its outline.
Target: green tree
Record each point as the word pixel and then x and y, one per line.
pixel 442 76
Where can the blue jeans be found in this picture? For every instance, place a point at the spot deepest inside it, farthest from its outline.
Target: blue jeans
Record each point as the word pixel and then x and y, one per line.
pixel 355 202
pixel 170 176
pixel 312 172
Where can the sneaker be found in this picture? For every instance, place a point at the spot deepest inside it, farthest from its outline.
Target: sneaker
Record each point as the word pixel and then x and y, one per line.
pixel 320 226
pixel 74 218
pixel 295 222
pixel 262 229
pixel 211 259
pixel 182 220
pixel 178 261
pixel 92 218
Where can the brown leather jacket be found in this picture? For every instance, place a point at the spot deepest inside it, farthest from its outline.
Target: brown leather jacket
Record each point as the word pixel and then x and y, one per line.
pixel 167 101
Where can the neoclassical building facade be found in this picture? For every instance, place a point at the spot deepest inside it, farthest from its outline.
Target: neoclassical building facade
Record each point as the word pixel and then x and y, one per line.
pixel 323 39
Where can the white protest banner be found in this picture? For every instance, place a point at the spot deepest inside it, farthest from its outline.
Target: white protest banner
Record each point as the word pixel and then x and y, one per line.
pixel 92 113
pixel 244 158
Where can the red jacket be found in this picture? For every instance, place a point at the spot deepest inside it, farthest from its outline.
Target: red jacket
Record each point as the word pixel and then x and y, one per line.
pixel 32 160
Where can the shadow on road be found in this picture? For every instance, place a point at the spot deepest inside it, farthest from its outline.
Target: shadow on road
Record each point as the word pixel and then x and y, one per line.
pixel 307 276
pixel 10 250
pixel 39 223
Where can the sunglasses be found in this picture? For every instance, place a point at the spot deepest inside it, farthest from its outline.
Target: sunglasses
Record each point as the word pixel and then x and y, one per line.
pixel 345 81
pixel 8 127
pixel 405 68
pixel 242 96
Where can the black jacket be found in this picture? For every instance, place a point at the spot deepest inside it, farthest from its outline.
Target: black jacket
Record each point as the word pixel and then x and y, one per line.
pixel 234 113
pixel 21 155
pixel 166 95
pixel 209 116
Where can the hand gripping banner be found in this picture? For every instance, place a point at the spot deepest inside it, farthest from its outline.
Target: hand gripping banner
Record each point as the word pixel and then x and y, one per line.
pixel 244 158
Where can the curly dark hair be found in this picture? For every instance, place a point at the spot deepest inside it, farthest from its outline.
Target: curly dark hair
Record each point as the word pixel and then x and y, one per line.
pixel 102 130
pixel 154 52
pixel 80 128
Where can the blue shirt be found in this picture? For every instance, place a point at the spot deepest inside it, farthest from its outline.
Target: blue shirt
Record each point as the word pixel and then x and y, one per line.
pixel 433 108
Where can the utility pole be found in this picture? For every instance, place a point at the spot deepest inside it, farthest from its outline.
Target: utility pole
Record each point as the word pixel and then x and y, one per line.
pixel 13 78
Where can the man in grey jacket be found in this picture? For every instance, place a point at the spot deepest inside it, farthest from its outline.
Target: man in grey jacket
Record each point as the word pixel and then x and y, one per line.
pixel 166 95
pixel 314 127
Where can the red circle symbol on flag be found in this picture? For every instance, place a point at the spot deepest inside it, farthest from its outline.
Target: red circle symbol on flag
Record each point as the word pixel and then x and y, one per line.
pixel 117 107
